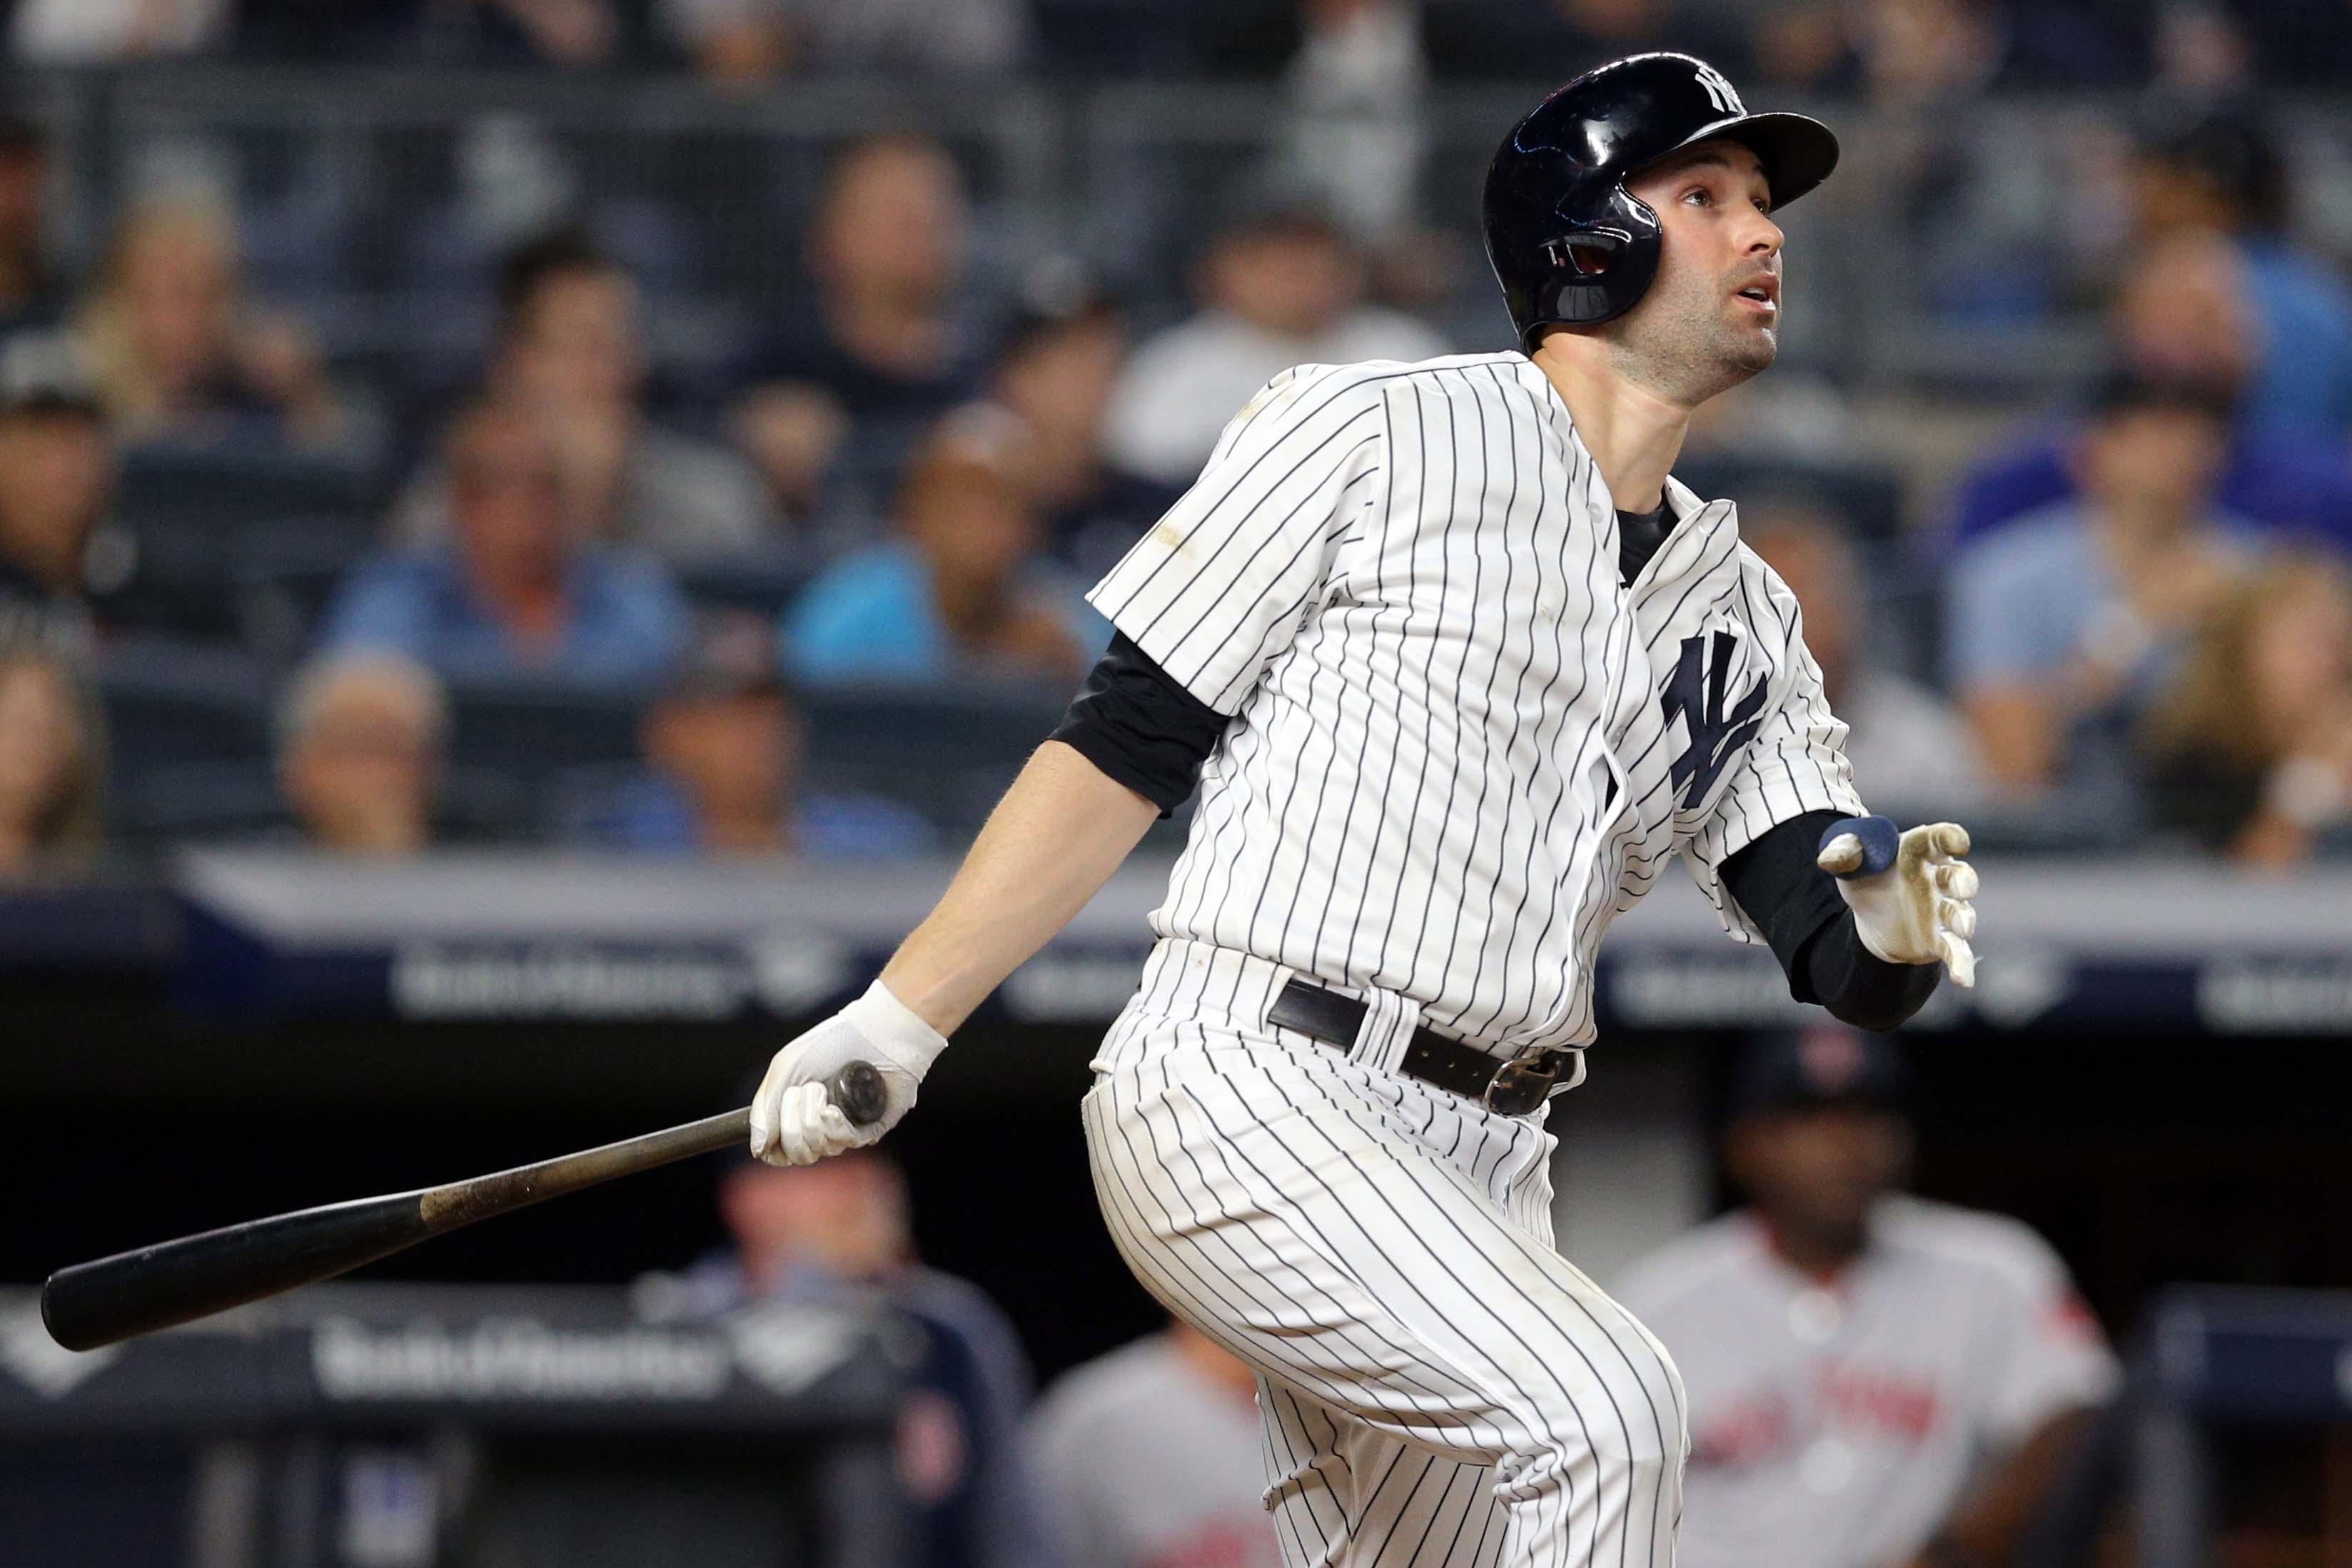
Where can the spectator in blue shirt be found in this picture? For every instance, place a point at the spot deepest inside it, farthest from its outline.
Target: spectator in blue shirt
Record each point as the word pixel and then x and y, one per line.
pixel 964 592
pixel 2186 309
pixel 513 592
pixel 2060 626
pixel 2221 171
pixel 723 748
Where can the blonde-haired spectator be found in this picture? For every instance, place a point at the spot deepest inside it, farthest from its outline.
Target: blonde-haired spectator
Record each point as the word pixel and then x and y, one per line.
pixel 2250 748
pixel 360 745
pixel 52 764
pixel 181 356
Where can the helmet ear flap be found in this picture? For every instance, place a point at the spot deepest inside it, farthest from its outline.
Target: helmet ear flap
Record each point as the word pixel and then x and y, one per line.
pixel 1597 270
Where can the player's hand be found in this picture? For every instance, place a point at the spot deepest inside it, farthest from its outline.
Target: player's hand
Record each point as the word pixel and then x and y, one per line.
pixel 793 1121
pixel 1909 893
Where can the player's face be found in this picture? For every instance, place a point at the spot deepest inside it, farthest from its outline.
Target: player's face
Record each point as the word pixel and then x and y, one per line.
pixel 1711 318
pixel 1817 1172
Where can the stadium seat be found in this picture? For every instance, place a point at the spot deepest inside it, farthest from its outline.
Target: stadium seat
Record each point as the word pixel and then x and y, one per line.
pixel 200 802
pixel 482 806
pixel 169 704
pixel 237 485
pixel 1093 38
pixel 948 752
pixel 282 577
pixel 764 583
pixel 259 581
pixel 239 802
pixel 530 731
pixel 575 800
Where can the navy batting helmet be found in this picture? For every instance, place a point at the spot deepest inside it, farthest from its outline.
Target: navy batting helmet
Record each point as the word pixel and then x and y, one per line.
pixel 1569 243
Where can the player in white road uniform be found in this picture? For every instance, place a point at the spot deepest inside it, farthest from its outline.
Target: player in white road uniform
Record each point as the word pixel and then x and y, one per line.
pixel 1148 1458
pixel 1876 1380
pixel 1458 667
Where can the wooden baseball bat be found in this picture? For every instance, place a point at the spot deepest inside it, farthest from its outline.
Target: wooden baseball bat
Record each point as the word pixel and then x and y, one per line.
pixel 149 1288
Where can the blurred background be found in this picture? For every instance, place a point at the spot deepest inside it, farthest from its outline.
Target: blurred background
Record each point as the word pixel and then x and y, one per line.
pixel 533 531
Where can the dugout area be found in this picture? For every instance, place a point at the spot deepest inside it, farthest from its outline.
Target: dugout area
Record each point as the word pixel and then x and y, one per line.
pixel 2150 1159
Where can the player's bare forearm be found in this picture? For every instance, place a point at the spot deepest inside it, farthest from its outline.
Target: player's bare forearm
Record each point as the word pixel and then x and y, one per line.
pixel 1987 1525
pixel 1050 844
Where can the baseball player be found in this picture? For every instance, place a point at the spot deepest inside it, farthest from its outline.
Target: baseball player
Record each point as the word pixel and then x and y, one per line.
pixel 1458 667
pixel 1876 1381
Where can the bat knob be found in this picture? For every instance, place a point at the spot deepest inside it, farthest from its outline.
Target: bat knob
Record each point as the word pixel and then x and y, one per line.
pixel 1880 842
pixel 858 1092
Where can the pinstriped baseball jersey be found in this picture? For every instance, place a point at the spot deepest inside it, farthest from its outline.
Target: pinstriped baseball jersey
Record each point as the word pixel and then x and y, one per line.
pixel 1459 746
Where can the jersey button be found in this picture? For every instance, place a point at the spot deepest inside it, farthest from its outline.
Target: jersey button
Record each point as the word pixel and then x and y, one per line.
pixel 1814 1316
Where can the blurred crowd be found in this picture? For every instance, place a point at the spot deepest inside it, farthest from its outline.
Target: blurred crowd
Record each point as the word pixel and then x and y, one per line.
pixel 1885 48
pixel 254 589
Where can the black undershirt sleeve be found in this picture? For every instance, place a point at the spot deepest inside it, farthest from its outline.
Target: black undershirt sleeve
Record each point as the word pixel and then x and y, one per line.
pixel 1796 904
pixel 1639 535
pixel 1134 722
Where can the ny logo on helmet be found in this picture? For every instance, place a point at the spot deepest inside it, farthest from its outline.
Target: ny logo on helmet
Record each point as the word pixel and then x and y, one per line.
pixel 1718 90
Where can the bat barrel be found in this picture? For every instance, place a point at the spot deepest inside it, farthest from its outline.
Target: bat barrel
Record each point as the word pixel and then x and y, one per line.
pixel 149 1288
pixel 171 1282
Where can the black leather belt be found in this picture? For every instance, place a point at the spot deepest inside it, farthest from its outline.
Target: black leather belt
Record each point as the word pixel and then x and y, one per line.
pixel 1512 1088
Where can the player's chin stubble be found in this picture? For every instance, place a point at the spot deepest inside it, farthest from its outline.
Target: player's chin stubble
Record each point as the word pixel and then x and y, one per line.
pixel 1685 342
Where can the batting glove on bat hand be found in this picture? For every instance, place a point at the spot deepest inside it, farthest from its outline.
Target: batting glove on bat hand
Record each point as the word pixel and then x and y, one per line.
pixel 1909 893
pixel 793 1120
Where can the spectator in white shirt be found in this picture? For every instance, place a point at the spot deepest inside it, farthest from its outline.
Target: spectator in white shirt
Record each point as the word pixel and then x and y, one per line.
pixel 1279 286
pixel 1148 1458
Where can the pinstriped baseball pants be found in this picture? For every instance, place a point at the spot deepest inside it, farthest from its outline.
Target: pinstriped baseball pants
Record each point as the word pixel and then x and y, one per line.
pixel 1439 1388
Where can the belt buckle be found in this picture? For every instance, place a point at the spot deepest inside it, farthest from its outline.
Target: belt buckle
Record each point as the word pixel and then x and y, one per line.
pixel 1520 1084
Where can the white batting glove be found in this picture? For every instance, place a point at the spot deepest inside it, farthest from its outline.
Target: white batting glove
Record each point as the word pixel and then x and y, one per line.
pixel 1909 893
pixel 794 1123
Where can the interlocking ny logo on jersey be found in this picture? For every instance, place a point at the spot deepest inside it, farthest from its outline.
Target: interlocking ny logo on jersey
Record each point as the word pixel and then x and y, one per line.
pixel 1695 694
pixel 1718 90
